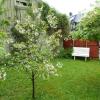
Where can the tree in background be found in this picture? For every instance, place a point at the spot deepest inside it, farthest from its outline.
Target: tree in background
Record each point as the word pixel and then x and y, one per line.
pixel 89 27
pixel 62 21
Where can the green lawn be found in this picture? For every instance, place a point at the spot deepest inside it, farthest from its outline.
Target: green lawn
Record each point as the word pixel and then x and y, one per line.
pixel 77 80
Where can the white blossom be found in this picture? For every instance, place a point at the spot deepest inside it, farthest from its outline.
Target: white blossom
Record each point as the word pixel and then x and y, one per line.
pixel 36 33
pixel 2 74
pixel 52 20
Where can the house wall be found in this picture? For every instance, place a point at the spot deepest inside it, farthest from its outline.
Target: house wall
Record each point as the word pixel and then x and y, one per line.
pixel 15 9
pixel 9 10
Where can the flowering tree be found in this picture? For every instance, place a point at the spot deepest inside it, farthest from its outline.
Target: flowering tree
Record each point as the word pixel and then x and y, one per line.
pixel 32 48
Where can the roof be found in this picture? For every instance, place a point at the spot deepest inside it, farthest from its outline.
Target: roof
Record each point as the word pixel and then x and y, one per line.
pixel 76 17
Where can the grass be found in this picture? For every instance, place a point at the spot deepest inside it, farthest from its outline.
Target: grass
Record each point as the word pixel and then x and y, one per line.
pixel 77 80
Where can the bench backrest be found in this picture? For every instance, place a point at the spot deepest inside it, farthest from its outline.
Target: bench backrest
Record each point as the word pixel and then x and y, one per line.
pixel 81 51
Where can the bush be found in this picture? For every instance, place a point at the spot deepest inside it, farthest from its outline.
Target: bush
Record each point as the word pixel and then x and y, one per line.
pixel 75 35
pixel 65 53
pixel 90 25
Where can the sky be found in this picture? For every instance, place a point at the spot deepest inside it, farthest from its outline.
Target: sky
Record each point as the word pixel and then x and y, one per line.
pixel 74 6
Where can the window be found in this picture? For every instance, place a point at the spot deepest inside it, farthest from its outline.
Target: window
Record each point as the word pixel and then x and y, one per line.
pixel 21 2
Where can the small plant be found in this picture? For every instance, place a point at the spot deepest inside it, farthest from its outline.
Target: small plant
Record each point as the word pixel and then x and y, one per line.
pixel 65 53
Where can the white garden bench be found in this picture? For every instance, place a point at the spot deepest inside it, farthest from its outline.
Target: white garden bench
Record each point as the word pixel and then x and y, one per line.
pixel 81 52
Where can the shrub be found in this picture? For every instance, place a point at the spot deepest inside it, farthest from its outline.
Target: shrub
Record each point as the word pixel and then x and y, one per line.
pixel 90 25
pixel 65 53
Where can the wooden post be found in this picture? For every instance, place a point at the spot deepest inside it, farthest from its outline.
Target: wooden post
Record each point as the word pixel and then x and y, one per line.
pixel 73 43
pixel 74 57
pixel 86 43
pixel 85 58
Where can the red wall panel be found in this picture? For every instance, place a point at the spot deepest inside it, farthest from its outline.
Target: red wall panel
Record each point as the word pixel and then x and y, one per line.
pixel 67 43
pixel 79 43
pixel 94 51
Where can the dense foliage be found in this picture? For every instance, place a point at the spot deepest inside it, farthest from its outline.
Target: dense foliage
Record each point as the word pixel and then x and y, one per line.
pixel 90 25
pixel 31 47
pixel 61 19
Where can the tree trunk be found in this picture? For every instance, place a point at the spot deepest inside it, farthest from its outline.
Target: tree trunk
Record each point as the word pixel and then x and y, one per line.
pixel 33 86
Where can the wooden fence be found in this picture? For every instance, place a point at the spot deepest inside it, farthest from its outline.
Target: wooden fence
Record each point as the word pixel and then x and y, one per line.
pixel 93 45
